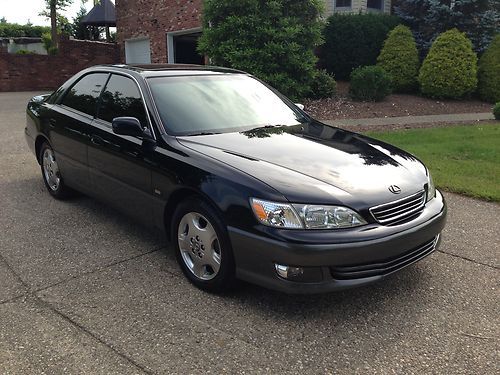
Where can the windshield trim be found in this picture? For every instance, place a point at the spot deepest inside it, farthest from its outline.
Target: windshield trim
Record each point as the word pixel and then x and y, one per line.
pixel 303 115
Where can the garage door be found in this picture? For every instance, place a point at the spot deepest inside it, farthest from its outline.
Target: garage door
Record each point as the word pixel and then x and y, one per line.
pixel 137 51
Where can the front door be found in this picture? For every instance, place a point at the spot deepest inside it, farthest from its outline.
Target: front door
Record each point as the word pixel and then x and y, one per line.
pixel 119 166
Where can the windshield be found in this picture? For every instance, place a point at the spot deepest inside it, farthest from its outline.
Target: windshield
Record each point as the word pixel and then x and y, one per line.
pixel 191 105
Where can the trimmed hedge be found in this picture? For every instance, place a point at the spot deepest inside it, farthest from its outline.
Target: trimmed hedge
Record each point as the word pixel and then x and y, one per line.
pixel 370 83
pixel 450 68
pixel 489 72
pixel 13 30
pixel 496 111
pixel 399 58
pixel 353 40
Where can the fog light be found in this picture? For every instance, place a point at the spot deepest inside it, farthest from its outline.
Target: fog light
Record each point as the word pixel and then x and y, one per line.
pixel 288 272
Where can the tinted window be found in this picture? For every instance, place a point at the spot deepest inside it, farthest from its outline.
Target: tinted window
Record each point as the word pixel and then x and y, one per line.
pixel 375 4
pixel 343 3
pixel 121 98
pixel 218 103
pixel 84 94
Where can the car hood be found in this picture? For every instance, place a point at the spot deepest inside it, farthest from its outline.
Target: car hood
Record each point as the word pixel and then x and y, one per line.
pixel 317 163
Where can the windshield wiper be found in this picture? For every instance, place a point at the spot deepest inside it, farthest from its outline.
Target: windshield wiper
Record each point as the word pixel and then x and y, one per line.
pixel 204 133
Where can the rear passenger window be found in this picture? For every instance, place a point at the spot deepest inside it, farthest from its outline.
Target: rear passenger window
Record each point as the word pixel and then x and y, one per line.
pixel 121 98
pixel 84 94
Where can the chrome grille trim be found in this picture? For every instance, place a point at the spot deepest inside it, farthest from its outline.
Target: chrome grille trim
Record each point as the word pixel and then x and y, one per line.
pixel 399 210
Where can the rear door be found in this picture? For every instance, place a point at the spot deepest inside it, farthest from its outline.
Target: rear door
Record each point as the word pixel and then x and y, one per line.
pixel 69 123
pixel 119 166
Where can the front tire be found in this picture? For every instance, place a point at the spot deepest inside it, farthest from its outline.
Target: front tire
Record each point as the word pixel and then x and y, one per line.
pixel 202 246
pixel 51 174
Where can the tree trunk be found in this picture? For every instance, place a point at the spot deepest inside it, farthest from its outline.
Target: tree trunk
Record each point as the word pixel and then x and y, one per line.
pixel 53 23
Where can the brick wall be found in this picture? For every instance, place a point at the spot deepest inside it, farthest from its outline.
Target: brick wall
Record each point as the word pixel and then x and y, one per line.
pixel 153 19
pixel 357 6
pixel 40 72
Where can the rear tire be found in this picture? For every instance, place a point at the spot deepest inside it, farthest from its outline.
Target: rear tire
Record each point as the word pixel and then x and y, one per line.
pixel 50 173
pixel 202 246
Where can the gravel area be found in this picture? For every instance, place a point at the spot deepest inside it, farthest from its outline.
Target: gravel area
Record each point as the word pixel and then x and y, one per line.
pixel 341 107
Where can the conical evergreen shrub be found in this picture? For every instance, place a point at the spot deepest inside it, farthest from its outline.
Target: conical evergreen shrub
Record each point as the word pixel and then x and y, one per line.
pixel 489 72
pixel 399 58
pixel 450 68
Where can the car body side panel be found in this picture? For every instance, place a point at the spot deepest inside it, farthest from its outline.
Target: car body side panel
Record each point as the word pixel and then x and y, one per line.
pixel 69 135
pixel 177 167
pixel 120 171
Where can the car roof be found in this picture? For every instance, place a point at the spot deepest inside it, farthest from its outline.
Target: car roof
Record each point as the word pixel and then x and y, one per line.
pixel 157 70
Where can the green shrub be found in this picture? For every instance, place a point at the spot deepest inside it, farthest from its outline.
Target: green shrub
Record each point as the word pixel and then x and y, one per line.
pixel 399 58
pixel 47 43
pixel 274 40
pixel 370 83
pixel 489 72
pixel 496 111
pixel 353 40
pixel 25 52
pixel 323 85
pixel 450 68
pixel 13 30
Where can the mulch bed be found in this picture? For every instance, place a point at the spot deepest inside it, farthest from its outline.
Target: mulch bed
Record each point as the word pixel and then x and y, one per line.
pixel 396 105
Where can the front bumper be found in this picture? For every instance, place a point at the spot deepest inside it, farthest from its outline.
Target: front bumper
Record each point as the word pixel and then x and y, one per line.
pixel 346 258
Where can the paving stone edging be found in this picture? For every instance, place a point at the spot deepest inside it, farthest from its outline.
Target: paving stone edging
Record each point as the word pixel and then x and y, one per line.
pixel 412 120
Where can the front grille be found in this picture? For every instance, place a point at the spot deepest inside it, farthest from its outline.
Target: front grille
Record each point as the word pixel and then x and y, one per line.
pixel 384 267
pixel 401 210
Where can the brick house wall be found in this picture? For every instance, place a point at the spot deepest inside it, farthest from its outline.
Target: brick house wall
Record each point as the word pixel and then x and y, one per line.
pixel 153 19
pixel 157 21
pixel 45 72
pixel 356 7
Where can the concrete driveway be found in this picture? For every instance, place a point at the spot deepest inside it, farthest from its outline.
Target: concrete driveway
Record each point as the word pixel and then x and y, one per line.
pixel 85 290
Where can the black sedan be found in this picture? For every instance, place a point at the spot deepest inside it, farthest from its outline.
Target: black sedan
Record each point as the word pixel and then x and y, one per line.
pixel 243 182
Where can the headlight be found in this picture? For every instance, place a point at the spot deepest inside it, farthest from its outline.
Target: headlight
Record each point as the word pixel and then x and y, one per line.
pixel 431 189
pixel 275 214
pixel 305 216
pixel 328 217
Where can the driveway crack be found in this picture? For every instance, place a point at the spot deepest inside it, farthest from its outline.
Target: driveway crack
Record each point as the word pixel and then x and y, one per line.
pixel 33 294
pixel 98 269
pixel 469 260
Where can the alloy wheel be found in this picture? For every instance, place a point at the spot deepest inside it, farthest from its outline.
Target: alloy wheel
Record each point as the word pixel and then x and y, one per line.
pixel 51 169
pixel 199 246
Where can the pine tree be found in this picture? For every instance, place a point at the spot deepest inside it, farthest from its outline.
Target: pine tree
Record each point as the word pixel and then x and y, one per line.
pixel 80 31
pixel 479 19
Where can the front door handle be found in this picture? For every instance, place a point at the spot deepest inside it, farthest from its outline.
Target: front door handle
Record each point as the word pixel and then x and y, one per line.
pixel 97 140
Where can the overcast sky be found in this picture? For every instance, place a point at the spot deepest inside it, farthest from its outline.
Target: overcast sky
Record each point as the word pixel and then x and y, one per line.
pixel 20 11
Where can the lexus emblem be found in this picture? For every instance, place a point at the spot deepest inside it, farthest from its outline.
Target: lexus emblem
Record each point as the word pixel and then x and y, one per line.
pixel 394 189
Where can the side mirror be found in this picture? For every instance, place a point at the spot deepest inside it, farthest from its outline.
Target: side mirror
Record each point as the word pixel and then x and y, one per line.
pixel 127 126
pixel 301 106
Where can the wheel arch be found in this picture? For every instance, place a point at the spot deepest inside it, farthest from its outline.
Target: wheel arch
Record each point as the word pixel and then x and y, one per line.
pixel 40 139
pixel 176 198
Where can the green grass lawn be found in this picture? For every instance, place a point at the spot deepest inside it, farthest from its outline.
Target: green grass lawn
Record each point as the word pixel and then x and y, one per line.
pixel 462 159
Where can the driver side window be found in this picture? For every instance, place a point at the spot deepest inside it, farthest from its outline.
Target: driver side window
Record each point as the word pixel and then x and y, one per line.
pixel 121 98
